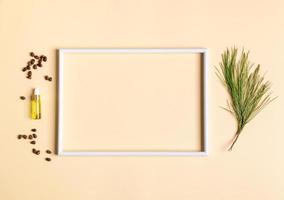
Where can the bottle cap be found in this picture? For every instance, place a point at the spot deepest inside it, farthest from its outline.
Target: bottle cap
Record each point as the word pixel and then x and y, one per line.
pixel 36 91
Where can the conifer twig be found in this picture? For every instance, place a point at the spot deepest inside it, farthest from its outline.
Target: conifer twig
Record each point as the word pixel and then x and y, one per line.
pixel 249 92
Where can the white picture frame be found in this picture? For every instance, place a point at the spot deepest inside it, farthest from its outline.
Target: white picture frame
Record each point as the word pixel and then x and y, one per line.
pixel 60 114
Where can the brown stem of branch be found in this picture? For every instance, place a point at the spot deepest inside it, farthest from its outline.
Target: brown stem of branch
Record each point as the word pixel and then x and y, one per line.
pixel 235 139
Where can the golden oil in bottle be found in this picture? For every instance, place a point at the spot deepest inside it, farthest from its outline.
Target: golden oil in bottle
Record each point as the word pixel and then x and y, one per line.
pixel 36 104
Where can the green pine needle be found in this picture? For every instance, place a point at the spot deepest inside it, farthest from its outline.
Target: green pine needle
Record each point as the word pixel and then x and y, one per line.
pixel 249 92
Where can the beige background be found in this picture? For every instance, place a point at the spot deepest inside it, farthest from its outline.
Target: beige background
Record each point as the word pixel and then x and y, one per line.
pixel 254 170
pixel 132 102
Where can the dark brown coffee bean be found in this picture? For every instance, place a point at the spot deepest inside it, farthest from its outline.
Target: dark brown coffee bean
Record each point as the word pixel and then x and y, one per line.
pixel 34 150
pixel 36 57
pixel 29 77
pixel 22 97
pixel 46 77
pixel 39 64
pixel 24 69
pixel 30 73
pixel 28 67
pixel 32 54
pixel 19 137
pixel 30 137
pixel 44 58
pixel 50 78
pixel 34 135
pixel 32 61
pixel 37 152
pixel 24 136
pixel 33 129
pixel 48 159
pixel 35 66
pixel 48 151
pixel 33 142
pixel 28 63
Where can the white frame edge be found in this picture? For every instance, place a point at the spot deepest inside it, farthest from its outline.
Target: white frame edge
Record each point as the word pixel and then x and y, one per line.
pixel 202 51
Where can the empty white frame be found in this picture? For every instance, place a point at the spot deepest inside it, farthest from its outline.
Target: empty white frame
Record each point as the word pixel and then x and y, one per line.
pixel 203 108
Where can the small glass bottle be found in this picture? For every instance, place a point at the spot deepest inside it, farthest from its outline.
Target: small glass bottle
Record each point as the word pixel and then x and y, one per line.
pixel 36 104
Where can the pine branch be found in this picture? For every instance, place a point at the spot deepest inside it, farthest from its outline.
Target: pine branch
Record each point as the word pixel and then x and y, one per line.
pixel 248 91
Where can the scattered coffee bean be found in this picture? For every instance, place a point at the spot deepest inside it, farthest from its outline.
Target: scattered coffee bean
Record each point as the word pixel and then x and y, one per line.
pixel 37 152
pixel 48 159
pixel 34 63
pixel 34 135
pixel 22 97
pixel 50 78
pixel 30 73
pixel 33 129
pixel 19 137
pixel 33 142
pixel 24 136
pixel 48 151
pixel 30 137
pixel 46 77
pixel 34 150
